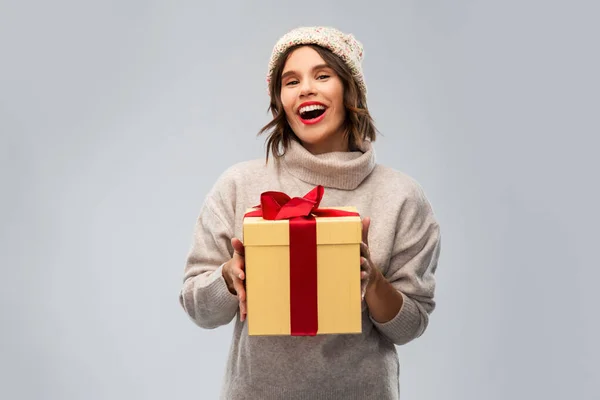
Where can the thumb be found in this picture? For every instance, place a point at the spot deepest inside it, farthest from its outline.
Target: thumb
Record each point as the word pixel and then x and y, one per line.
pixel 238 246
pixel 366 222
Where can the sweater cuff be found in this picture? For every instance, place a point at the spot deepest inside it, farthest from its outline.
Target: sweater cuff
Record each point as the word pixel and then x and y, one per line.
pixel 404 326
pixel 219 295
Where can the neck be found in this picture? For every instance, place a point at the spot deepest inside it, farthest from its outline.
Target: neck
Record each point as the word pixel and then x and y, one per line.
pixel 336 169
pixel 322 148
pixel 334 143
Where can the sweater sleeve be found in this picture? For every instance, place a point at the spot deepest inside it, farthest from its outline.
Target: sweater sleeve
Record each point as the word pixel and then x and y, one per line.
pixel 412 267
pixel 204 295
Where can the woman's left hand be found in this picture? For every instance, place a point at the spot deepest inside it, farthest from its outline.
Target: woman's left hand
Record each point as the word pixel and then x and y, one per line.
pixel 369 274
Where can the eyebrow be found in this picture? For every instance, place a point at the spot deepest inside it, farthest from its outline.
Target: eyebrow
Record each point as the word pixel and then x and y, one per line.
pixel 320 66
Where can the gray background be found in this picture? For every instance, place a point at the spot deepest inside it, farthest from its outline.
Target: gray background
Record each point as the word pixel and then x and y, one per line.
pixel 117 117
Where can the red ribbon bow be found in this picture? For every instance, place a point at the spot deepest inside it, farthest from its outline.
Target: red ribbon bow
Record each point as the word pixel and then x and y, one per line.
pixel 303 250
pixel 278 206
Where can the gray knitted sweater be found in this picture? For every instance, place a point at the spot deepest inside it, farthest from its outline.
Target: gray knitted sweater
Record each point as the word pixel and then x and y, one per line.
pixel 404 239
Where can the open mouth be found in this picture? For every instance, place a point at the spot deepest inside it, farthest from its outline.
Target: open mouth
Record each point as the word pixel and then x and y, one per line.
pixel 312 113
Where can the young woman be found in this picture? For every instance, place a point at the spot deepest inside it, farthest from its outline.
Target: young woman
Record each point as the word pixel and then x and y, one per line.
pixel 321 134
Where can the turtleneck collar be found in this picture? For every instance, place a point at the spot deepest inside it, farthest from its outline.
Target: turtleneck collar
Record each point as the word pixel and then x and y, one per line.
pixel 339 170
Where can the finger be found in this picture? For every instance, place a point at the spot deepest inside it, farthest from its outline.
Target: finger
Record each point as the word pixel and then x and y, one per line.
pixel 243 310
pixel 237 271
pixel 363 275
pixel 364 251
pixel 366 222
pixel 239 289
pixel 238 247
pixel 243 306
pixel 364 264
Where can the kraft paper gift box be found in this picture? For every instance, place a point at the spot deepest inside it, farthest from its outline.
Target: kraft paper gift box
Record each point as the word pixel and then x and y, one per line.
pixel 302 266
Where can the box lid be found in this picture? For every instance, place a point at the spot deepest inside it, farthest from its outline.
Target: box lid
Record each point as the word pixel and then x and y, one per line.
pixel 330 230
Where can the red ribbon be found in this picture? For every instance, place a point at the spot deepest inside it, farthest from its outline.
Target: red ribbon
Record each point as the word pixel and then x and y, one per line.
pixel 301 212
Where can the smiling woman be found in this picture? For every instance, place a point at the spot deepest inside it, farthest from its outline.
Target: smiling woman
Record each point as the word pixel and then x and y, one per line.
pixel 312 75
pixel 321 135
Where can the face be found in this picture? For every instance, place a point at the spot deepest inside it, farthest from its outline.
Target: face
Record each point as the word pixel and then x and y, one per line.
pixel 313 100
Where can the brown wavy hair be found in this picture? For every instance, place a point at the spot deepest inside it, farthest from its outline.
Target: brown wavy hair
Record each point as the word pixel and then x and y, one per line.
pixel 358 126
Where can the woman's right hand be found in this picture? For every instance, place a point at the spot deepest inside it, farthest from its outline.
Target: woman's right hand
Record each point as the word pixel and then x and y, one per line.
pixel 233 272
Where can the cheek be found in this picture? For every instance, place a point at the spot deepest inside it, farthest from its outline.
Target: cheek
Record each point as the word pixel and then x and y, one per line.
pixel 340 110
pixel 287 105
pixel 337 95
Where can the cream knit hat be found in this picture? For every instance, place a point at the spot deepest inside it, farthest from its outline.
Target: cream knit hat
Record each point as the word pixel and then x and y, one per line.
pixel 343 45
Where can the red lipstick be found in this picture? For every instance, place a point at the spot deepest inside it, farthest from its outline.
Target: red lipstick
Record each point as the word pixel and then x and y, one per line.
pixel 313 120
pixel 310 103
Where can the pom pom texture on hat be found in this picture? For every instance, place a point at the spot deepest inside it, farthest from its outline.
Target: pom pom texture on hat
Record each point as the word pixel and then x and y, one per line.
pixel 343 45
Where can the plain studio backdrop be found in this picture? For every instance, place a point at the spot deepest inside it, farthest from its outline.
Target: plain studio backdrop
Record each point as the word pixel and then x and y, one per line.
pixel 116 118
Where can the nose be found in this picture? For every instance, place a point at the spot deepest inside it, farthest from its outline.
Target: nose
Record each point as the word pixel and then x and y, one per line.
pixel 307 88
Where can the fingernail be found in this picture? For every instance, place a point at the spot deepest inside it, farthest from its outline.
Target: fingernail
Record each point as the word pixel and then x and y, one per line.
pixel 240 276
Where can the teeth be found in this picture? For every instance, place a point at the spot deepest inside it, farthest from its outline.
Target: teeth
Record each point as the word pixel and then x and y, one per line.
pixel 311 108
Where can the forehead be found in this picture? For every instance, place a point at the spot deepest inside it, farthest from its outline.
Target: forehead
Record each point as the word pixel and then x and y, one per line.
pixel 303 58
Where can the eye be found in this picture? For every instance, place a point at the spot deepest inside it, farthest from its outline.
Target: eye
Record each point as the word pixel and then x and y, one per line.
pixel 323 76
pixel 293 82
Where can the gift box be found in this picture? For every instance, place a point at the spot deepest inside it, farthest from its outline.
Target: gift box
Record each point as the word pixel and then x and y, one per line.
pixel 302 266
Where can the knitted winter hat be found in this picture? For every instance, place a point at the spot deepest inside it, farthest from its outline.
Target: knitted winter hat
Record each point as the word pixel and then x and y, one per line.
pixel 343 45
